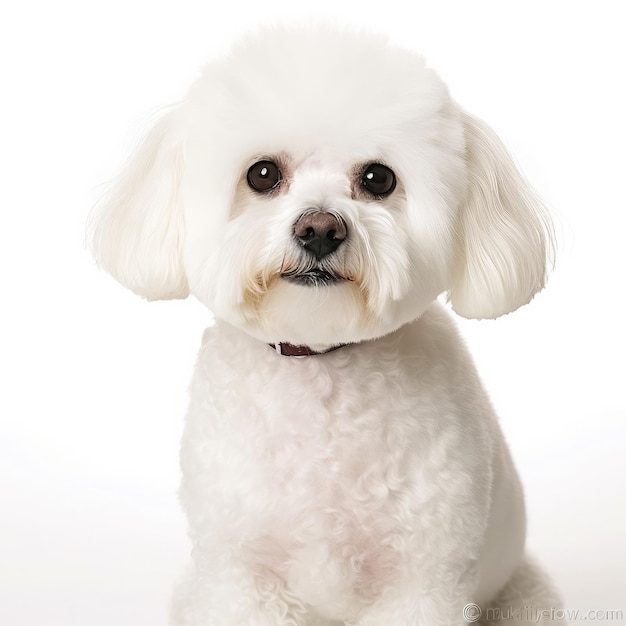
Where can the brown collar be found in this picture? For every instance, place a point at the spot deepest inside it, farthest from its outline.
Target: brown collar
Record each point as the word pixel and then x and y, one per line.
pixel 288 349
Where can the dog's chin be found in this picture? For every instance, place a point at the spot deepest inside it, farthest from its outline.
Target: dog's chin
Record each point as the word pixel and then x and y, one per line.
pixel 319 310
pixel 312 308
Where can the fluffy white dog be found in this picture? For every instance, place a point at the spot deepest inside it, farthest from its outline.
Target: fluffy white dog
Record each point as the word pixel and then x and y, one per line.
pixel 318 190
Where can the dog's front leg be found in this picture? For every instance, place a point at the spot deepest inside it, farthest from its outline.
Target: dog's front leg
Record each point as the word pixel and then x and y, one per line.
pixel 235 595
pixel 276 605
pixel 411 606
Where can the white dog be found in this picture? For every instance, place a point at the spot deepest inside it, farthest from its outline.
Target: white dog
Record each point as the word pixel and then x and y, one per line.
pixel 318 190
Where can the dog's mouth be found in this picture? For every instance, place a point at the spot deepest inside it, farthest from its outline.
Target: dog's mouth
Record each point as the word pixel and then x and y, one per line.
pixel 314 277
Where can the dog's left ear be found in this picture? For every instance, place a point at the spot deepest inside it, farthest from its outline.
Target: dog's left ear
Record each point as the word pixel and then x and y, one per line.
pixel 136 232
pixel 504 236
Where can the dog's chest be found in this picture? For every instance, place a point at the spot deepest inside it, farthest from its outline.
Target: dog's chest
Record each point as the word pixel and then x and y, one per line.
pixel 319 460
pixel 287 438
pixel 305 443
pixel 312 436
pixel 315 468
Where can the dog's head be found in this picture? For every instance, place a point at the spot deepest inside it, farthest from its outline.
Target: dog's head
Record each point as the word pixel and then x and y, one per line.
pixel 321 187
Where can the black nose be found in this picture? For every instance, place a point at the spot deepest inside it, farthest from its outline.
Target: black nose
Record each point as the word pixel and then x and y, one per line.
pixel 320 233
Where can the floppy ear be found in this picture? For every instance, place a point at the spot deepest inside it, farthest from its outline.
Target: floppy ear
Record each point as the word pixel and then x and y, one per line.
pixel 137 229
pixel 504 236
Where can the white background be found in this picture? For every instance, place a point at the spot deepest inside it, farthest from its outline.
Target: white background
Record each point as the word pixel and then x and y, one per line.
pixel 94 379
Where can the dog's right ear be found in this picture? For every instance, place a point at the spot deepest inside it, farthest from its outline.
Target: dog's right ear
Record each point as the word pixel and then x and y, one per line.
pixel 136 231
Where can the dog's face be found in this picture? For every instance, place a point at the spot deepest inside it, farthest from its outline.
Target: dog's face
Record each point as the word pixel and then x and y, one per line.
pixel 319 188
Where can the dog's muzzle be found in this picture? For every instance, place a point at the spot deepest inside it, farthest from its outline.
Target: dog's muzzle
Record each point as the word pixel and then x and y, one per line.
pixel 319 234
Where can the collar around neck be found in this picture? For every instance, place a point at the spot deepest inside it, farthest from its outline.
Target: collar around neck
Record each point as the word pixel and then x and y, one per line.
pixel 288 349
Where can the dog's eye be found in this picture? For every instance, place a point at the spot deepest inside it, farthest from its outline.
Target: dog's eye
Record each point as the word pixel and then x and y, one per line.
pixel 378 180
pixel 264 176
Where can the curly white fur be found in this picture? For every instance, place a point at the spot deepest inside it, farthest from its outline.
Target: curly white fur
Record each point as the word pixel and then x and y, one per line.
pixel 369 485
